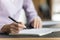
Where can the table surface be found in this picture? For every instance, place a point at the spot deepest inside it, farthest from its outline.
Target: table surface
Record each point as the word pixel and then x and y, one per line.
pixel 51 36
pixel 29 38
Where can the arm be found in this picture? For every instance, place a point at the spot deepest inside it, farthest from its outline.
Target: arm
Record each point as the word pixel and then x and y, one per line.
pixel 30 11
pixel 7 26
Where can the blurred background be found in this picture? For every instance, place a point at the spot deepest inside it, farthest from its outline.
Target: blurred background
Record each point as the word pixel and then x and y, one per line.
pixel 48 9
pixel 43 8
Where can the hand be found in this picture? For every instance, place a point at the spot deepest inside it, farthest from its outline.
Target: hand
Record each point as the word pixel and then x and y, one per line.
pixel 37 23
pixel 13 28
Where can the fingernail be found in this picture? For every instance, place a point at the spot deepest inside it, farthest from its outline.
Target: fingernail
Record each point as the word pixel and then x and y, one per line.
pixel 24 26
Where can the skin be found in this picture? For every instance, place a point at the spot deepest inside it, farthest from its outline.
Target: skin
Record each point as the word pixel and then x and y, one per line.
pixel 15 28
pixel 37 23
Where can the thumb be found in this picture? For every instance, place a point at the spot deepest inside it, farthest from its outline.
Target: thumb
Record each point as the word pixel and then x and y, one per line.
pixel 21 23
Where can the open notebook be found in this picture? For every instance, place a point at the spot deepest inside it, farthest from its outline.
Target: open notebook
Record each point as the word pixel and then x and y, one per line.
pixel 39 32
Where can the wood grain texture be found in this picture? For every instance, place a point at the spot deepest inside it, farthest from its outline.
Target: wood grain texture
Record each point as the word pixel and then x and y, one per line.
pixel 29 38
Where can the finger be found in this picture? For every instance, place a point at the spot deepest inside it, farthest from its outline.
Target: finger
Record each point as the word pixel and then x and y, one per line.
pixel 18 25
pixel 40 24
pixel 14 27
pixel 21 26
pixel 21 23
pixel 14 31
pixel 15 24
pixel 11 31
pixel 35 23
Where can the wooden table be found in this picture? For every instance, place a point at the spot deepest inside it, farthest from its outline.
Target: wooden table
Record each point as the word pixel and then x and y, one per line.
pixel 29 38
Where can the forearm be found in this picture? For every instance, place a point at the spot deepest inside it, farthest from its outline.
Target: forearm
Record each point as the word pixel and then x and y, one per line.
pixel 30 10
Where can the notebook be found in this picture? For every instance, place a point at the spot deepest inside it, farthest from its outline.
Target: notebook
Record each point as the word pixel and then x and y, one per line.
pixel 39 32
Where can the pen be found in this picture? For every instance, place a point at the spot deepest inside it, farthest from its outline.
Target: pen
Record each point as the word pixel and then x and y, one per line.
pixel 12 19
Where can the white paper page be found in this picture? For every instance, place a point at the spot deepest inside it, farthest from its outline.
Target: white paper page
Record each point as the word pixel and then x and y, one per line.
pixel 39 32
